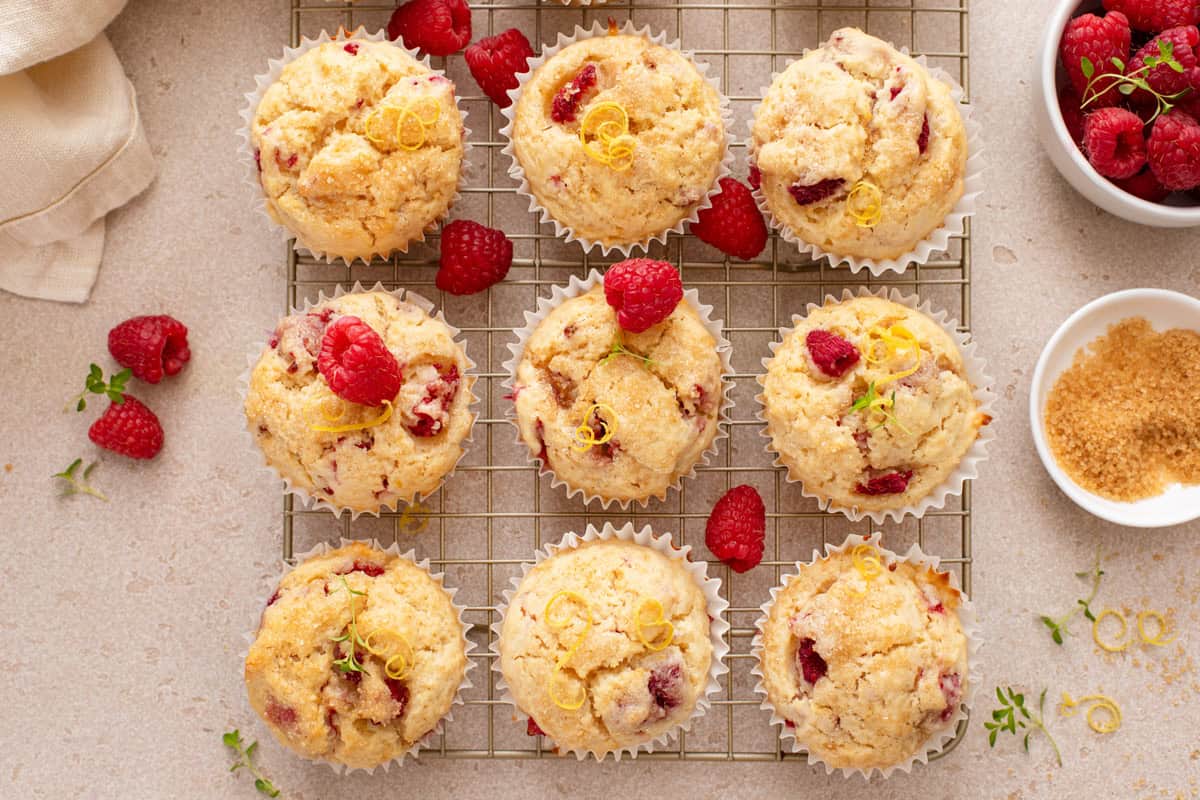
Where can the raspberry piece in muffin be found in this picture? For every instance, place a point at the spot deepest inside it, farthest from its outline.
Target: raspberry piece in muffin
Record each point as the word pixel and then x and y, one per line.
pixel 566 102
pixel 832 354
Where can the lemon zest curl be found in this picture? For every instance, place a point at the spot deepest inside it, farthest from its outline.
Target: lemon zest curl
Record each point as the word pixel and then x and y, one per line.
pixel 559 624
pixel 584 433
pixel 356 426
pixel 865 204
pixel 865 559
pixel 1157 640
pixel 659 620
pixel 411 129
pixel 1103 615
pixel 1098 702
pixel 607 125
pixel 898 342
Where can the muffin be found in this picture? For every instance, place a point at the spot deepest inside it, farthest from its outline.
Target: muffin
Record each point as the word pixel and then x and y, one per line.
pixel 606 646
pixel 618 415
pixel 359 655
pixel 619 138
pixel 359 148
pixel 864 658
pixel 869 404
pixel 353 456
pixel 862 152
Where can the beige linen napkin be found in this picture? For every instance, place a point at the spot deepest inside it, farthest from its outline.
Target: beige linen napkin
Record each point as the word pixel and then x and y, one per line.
pixel 72 146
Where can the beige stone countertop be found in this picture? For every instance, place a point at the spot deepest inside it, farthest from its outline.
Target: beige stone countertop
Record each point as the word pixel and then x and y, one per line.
pixel 122 623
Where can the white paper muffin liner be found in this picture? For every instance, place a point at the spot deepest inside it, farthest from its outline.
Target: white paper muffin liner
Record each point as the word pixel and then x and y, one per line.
pixel 468 646
pixel 310 501
pixel 246 145
pixel 966 617
pixel 580 286
pixel 718 627
pixel 939 239
pixel 518 173
pixel 976 373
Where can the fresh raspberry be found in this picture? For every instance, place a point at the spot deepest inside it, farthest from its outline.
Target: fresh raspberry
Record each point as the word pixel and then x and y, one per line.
pixel 1174 151
pixel 1145 186
pixel 1153 16
pixel 1114 142
pixel 737 528
pixel 1163 78
pixel 495 62
pixel 1099 40
pixel 809 662
pixel 150 346
pixel 357 364
pixel 815 192
pixel 570 96
pixel 892 483
pixel 435 27
pixel 473 257
pixel 643 292
pixel 128 428
pixel 1068 104
pixel 733 225
pixel 832 354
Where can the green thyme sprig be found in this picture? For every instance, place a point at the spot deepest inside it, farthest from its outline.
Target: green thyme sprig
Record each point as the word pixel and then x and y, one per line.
pixel 1058 627
pixel 1128 84
pixel 886 408
pixel 619 349
pixel 95 384
pixel 78 484
pixel 350 662
pixel 1013 715
pixel 245 758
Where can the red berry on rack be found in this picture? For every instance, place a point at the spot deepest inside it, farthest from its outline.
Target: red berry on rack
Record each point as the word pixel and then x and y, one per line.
pixel 832 354
pixel 474 257
pixel 434 27
pixel 1099 40
pixel 495 62
pixel 643 292
pixel 357 364
pixel 128 428
pixel 1174 151
pixel 737 528
pixel 1114 142
pixel 733 225
pixel 150 346
pixel 1153 16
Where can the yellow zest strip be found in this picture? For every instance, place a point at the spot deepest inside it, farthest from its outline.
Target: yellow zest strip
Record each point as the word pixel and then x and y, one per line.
pixel 608 125
pixel 410 127
pixel 865 204
pixel 328 406
pixel 584 434
pixel 558 624
pixel 414 519
pixel 1099 702
pixel 395 665
pixel 898 341
pixel 659 620
pixel 1112 648
pixel 382 418
pixel 1157 640
pixel 866 560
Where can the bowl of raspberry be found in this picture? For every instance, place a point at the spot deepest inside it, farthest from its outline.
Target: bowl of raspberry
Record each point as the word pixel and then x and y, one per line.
pixel 1118 105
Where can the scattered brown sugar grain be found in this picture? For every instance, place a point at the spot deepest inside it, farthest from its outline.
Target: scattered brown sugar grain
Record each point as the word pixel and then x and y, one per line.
pixel 1124 420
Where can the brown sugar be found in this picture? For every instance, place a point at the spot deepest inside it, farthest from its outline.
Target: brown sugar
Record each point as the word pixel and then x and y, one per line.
pixel 1124 420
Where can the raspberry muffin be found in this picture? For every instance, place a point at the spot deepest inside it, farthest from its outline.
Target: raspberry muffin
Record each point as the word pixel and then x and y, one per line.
pixel 620 139
pixel 614 414
pixel 862 151
pixel 333 441
pixel 865 660
pixel 360 653
pixel 869 404
pixel 606 646
pixel 359 148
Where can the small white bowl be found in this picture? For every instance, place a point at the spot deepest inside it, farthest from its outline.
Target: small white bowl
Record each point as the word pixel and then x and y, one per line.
pixel 1164 309
pixel 1056 139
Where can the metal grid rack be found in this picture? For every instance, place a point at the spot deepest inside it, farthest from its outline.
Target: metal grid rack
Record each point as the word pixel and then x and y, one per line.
pixel 495 510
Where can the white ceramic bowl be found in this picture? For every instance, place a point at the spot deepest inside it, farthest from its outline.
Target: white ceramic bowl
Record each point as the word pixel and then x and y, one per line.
pixel 1052 130
pixel 1164 310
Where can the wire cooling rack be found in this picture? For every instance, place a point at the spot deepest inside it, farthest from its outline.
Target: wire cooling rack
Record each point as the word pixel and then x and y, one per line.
pixel 495 511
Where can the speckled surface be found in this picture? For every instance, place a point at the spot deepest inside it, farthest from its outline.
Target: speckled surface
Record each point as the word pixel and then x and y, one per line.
pixel 122 623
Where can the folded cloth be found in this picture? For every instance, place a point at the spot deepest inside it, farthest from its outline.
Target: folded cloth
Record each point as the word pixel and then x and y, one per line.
pixel 73 150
